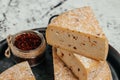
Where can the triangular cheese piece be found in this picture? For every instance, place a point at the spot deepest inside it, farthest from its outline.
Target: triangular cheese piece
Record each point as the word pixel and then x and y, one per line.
pixel 78 31
pixel 21 71
pixel 61 72
pixel 84 68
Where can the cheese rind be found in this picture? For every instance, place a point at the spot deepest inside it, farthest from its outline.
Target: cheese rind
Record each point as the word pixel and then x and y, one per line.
pixel 84 68
pixel 78 31
pixel 104 74
pixel 61 72
pixel 21 71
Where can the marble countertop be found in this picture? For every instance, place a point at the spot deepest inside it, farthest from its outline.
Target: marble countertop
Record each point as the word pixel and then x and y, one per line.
pixel 18 15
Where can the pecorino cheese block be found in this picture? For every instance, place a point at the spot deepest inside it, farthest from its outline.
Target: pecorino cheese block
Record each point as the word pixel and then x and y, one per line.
pixel 61 72
pixel 78 31
pixel 84 68
pixel 21 71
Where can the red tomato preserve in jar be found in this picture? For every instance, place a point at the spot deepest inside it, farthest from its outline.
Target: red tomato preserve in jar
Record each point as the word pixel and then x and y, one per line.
pixel 27 41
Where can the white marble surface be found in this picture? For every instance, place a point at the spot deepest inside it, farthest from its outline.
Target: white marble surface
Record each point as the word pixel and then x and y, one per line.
pixel 18 15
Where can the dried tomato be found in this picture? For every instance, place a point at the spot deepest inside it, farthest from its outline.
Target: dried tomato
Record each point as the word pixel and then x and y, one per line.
pixel 27 41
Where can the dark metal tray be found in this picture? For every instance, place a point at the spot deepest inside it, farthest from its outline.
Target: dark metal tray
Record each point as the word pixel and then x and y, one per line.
pixel 44 71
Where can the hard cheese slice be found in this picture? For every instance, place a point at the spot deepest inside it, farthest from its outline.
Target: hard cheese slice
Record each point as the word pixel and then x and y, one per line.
pixel 21 71
pixel 78 30
pixel 61 72
pixel 84 68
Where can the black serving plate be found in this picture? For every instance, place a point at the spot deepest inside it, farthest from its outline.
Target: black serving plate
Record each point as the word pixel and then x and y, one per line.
pixel 45 71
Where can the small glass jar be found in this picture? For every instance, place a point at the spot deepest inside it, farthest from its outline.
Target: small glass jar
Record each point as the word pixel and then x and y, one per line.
pixel 22 50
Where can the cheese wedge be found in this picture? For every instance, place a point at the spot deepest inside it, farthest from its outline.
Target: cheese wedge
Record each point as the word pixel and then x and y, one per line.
pixel 21 71
pixel 84 68
pixel 61 72
pixel 78 31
